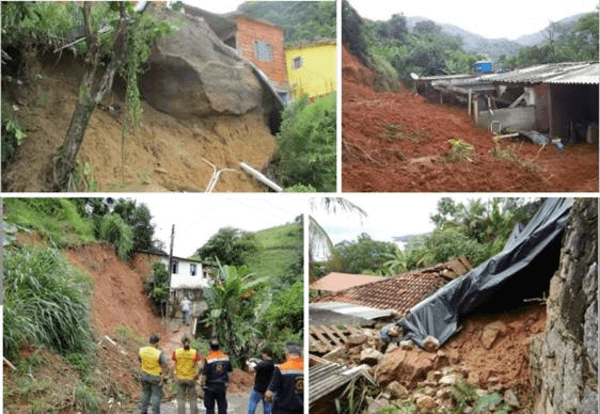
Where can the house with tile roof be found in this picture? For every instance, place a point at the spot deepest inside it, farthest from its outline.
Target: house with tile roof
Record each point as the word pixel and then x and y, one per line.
pixel 399 293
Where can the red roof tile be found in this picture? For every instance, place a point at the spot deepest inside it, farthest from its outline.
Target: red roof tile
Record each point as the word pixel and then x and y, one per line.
pixel 334 282
pixel 399 293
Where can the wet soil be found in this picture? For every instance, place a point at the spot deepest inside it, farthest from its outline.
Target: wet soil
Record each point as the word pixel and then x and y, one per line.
pixel 165 154
pixel 400 142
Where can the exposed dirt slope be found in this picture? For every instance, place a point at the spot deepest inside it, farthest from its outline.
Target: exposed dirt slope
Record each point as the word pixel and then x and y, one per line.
pixel 164 155
pixel 397 142
pixel 118 297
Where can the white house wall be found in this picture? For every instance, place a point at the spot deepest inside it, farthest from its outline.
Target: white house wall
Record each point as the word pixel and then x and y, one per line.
pixel 183 278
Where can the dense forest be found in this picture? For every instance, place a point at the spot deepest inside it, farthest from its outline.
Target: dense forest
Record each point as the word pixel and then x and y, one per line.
pixel 303 20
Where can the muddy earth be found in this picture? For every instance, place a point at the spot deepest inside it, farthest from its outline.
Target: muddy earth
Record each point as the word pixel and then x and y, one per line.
pixel 399 142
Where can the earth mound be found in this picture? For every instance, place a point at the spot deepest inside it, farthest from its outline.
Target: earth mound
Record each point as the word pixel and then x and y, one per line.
pixel 399 142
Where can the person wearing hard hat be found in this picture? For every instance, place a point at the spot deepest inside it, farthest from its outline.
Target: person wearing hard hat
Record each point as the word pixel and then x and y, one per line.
pixel 186 359
pixel 286 389
pixel 214 379
pixel 152 361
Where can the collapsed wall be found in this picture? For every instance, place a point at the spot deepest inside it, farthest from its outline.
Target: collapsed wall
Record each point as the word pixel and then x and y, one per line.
pixel 565 358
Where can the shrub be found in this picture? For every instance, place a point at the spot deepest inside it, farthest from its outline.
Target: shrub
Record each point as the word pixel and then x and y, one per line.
pixel 42 303
pixel 116 231
pixel 307 144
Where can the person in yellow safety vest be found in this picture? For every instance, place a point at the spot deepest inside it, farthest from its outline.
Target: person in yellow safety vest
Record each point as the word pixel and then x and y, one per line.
pixel 186 360
pixel 152 361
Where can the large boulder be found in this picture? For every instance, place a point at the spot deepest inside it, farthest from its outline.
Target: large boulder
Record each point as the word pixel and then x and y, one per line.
pixel 192 72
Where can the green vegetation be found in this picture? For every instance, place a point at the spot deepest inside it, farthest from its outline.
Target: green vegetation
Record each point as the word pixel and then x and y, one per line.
pixel 260 299
pixel 229 247
pixel 43 304
pixel 117 39
pixel 62 222
pixel 577 42
pixel 303 21
pixel 307 144
pixel 114 229
pixel 157 288
pixel 477 230
pixel 365 255
pixel 460 151
pixel 279 255
pixel 390 45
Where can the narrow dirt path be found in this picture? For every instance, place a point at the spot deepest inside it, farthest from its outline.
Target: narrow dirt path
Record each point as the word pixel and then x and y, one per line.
pixel 236 402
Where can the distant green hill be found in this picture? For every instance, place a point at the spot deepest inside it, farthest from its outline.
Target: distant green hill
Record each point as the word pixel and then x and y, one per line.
pixel 280 253
pixel 302 20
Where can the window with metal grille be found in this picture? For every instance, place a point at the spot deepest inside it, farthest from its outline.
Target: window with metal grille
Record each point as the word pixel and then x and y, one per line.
pixel 193 269
pixel 297 63
pixel 263 50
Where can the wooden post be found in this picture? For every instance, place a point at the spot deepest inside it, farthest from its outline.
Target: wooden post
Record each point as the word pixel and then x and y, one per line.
pixel 169 315
pixel 470 93
pixel 476 109
pixel 551 121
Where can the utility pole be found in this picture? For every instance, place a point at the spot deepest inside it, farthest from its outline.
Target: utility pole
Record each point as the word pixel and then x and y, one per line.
pixel 169 314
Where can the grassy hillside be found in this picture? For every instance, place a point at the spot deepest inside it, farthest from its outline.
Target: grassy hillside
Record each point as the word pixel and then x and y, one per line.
pixel 280 252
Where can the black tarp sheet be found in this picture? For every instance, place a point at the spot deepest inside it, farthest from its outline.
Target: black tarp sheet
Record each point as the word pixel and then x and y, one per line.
pixel 522 270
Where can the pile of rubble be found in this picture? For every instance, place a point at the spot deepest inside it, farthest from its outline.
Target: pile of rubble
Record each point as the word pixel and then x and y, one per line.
pixel 483 368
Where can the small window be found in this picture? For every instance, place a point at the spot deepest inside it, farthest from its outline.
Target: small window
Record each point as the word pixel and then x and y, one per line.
pixel 174 267
pixel 193 269
pixel 297 63
pixel 263 50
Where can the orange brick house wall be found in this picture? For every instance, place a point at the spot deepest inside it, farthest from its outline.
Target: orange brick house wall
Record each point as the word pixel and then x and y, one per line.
pixel 248 32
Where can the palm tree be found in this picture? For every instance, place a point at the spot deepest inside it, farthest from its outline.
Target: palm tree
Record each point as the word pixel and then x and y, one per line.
pixel 233 312
pixel 320 245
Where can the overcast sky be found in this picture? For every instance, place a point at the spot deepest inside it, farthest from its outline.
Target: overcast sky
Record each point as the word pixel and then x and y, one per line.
pixel 199 216
pixel 389 215
pixel 493 19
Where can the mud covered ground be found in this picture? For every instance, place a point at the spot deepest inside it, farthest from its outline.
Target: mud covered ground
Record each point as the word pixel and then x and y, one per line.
pixel 399 142
pixel 166 154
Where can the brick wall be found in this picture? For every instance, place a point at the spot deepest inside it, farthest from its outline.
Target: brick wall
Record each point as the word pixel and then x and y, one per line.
pixel 248 32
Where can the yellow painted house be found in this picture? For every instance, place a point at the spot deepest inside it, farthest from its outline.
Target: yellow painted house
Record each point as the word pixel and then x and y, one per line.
pixel 311 68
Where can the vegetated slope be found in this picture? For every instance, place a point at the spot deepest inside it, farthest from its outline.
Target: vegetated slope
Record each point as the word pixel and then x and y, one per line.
pixel 474 43
pixel 166 154
pixel 399 142
pixel 280 248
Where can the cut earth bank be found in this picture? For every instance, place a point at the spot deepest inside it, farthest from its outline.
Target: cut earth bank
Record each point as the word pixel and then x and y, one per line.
pixel 122 320
pixel 201 103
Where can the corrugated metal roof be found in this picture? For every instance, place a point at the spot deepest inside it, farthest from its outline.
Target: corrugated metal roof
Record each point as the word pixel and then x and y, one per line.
pixel 564 72
pixel 352 310
pixel 328 377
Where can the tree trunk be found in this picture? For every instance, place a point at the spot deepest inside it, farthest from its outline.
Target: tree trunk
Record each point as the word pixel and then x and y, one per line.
pixel 91 92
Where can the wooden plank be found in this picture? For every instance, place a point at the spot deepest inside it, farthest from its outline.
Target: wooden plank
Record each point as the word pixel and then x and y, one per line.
pixel 331 335
pixel 323 340
pixel 340 334
pixel 352 330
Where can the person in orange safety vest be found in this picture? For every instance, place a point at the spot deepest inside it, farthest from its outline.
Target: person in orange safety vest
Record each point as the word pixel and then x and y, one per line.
pixel 215 376
pixel 286 389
